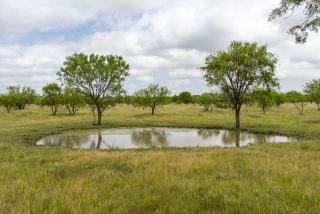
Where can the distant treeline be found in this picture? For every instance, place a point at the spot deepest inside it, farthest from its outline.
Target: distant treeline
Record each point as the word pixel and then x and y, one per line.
pixel 72 99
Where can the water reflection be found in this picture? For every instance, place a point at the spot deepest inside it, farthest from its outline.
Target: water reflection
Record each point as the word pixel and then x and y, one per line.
pixel 124 138
pixel 98 142
pixel 72 141
pixel 208 133
pixel 154 137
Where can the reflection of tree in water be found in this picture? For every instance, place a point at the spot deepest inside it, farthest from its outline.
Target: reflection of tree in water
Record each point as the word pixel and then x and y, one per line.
pixel 228 137
pixel 235 137
pixel 260 139
pixel 208 133
pixel 96 143
pixel 72 141
pixel 149 137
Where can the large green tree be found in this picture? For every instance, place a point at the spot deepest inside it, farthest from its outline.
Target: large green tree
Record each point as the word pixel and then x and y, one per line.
pixel 152 97
pixel 244 66
pixel 98 77
pixel 311 21
pixel 312 89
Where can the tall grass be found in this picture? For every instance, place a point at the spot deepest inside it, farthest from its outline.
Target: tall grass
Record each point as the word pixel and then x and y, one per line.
pixel 268 178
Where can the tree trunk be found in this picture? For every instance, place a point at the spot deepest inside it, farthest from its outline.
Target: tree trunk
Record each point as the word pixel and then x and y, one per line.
pixel 99 115
pixel 152 109
pixel 237 119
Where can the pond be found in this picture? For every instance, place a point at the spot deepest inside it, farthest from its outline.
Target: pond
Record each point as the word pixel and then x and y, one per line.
pixel 129 138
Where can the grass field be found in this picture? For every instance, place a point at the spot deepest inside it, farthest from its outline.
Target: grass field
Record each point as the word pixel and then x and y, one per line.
pixel 268 178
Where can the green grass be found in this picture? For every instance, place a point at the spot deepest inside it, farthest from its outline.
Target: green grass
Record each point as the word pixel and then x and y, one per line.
pixel 268 178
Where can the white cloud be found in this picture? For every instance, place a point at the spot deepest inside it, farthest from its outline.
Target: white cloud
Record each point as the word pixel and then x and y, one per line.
pixel 184 73
pixel 145 78
pixel 178 83
pixel 138 72
pixel 164 42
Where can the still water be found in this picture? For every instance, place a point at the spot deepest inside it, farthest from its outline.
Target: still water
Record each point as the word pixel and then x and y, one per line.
pixel 126 138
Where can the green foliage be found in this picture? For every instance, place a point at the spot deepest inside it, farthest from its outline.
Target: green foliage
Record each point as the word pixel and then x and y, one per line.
pixel 297 99
pixel 152 97
pixel 25 96
pixel 311 21
pixel 207 100
pixel 185 97
pixel 73 99
pixel 51 97
pixel 312 89
pixel 264 98
pixel 98 77
pixel 9 101
pixel 279 98
pixel 243 67
pixel 175 99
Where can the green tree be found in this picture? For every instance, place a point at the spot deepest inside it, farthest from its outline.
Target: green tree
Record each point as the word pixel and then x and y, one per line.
pixel 152 97
pixel 98 77
pixel 311 21
pixel 8 101
pixel 264 98
pixel 73 99
pixel 207 100
pixel 175 99
pixel 244 66
pixel 312 89
pixel 51 97
pixel 185 97
pixel 297 99
pixel 26 95
pixel 279 98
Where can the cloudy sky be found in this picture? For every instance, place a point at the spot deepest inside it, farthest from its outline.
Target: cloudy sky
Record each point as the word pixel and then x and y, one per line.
pixel 164 42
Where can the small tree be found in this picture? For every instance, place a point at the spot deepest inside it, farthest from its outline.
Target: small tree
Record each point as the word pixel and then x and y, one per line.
pixel 312 89
pixel 264 98
pixel 51 97
pixel 244 66
pixel 175 99
pixel 98 77
pixel 152 97
pixel 73 99
pixel 207 100
pixel 297 99
pixel 185 97
pixel 26 96
pixel 279 98
pixel 8 101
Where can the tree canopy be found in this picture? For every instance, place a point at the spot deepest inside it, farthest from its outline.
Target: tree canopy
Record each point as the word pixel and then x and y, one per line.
pixel 312 89
pixel 98 77
pixel 311 21
pixel 297 99
pixel 244 66
pixel 25 96
pixel 152 97
pixel 51 97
